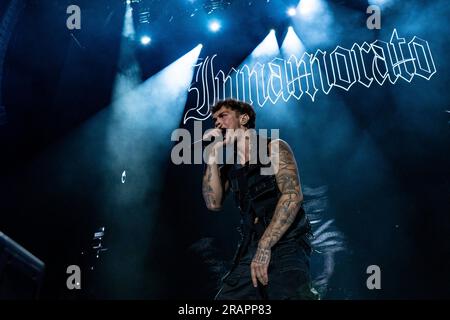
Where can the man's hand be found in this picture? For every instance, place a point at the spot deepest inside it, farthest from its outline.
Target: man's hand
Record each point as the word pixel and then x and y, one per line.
pixel 214 149
pixel 260 266
pixel 216 132
pixel 213 187
pixel 220 133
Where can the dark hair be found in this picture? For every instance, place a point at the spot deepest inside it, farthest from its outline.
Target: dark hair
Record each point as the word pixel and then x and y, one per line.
pixel 239 106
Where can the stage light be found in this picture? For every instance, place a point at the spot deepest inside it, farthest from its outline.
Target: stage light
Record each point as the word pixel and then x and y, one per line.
pixel 292 12
pixel 128 26
pixel 267 48
pixel 292 45
pixel 145 40
pixel 214 26
pixel 308 7
pixel 128 1
pixel 315 20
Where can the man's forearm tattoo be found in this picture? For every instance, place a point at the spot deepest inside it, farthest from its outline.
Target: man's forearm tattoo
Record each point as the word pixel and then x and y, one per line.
pixel 207 190
pixel 289 202
pixel 262 256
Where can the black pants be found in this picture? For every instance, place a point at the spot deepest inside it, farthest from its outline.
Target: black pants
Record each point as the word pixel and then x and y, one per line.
pixel 289 276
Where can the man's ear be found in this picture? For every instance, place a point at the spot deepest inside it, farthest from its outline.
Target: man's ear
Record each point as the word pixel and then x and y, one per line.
pixel 244 119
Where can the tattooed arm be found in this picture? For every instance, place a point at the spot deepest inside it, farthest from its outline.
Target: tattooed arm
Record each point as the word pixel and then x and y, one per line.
pixel 290 200
pixel 285 212
pixel 213 186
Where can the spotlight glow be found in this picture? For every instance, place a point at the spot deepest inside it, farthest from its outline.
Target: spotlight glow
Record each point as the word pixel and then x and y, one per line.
pixel 267 48
pixel 292 12
pixel 292 45
pixel 309 7
pixel 214 26
pixel 145 40
pixel 128 27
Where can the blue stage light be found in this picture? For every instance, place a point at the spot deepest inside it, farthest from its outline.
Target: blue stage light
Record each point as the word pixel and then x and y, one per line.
pixel 214 26
pixel 145 40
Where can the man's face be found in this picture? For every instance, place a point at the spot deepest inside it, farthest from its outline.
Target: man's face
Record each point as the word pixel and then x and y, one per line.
pixel 225 118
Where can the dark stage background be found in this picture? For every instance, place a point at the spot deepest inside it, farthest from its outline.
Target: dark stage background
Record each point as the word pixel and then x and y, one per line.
pixel 80 107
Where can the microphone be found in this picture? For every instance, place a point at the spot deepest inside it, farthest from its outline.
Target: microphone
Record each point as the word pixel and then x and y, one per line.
pixel 224 132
